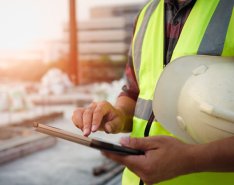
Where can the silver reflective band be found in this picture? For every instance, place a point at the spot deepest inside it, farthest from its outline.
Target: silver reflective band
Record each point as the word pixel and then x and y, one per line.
pixel 215 35
pixel 143 109
pixel 140 37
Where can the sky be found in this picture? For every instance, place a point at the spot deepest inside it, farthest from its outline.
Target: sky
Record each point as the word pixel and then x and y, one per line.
pixel 26 22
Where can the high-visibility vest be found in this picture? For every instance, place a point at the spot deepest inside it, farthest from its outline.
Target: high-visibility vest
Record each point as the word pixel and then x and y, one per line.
pixel 209 30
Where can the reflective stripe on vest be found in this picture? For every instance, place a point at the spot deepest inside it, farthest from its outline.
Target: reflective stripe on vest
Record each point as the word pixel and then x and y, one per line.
pixel 214 37
pixel 143 108
pixel 208 30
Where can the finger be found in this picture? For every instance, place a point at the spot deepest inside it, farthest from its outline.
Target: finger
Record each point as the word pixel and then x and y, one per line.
pixel 77 117
pixel 112 126
pixel 147 143
pixel 87 119
pixel 127 160
pixel 108 128
pixel 100 111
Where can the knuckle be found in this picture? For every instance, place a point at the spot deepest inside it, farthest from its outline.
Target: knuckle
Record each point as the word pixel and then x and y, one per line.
pixel 96 120
pixel 163 139
pixel 88 111
pixel 134 141
pixel 78 110
pixel 98 111
pixel 77 113
pixel 91 105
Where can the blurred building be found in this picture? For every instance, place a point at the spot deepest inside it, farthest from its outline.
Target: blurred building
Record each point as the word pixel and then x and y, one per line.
pixel 104 42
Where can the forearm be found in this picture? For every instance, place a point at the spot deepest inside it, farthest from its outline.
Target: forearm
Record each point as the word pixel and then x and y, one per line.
pixel 127 106
pixel 217 156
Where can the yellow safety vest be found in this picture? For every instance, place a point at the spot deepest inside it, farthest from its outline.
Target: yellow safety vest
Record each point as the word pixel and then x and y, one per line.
pixel 209 30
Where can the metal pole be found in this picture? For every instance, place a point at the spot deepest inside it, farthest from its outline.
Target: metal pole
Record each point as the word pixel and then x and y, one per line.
pixel 73 47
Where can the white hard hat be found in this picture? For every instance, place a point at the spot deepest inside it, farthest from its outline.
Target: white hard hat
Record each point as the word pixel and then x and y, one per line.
pixel 194 98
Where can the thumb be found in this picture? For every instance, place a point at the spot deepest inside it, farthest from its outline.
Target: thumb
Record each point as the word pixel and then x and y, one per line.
pixel 112 127
pixel 136 143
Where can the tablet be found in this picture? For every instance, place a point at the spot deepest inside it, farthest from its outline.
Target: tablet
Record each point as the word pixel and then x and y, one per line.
pixel 87 141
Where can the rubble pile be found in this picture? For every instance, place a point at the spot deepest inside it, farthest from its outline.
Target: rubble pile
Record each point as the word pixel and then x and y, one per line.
pixel 54 82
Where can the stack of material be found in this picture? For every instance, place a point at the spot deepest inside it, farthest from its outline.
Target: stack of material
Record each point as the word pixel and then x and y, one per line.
pixel 19 139
pixel 55 82
pixel 104 42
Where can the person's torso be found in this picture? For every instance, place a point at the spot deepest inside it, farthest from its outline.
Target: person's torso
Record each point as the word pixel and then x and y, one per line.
pixel 208 30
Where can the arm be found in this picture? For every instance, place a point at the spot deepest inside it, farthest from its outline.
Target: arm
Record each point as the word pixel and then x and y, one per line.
pixel 104 116
pixel 127 106
pixel 217 156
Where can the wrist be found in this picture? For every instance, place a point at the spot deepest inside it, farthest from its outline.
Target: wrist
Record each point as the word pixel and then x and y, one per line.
pixel 216 156
pixel 192 152
pixel 125 119
pixel 126 107
pixel 200 157
pixel 188 159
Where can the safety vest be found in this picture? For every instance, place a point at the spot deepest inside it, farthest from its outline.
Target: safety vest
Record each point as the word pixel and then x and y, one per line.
pixel 209 30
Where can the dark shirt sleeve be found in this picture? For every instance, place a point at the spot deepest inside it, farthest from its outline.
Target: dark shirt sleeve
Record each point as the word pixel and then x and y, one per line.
pixel 130 89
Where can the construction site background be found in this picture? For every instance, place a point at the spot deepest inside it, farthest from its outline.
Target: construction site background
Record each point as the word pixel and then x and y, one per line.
pixel 34 89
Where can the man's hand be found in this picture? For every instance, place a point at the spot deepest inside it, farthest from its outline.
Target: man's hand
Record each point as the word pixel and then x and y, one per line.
pixel 165 158
pixel 104 116
pixel 101 115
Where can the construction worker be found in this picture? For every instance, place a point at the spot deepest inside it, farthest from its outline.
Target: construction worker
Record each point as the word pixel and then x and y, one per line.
pixel 166 30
